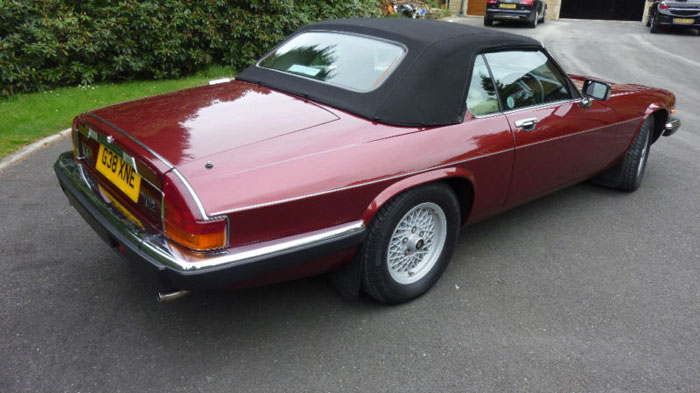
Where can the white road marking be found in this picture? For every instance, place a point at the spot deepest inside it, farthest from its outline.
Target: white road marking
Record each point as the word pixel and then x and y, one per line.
pixel 665 52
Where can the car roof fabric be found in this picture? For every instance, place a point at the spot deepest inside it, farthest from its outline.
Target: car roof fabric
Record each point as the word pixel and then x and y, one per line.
pixel 429 86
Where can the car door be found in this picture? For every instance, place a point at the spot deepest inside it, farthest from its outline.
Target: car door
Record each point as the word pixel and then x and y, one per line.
pixel 486 135
pixel 557 140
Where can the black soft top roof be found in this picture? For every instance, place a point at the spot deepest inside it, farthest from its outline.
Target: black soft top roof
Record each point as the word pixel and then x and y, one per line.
pixel 428 88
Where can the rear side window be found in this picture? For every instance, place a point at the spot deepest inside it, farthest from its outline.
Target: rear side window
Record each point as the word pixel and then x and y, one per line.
pixel 352 62
pixel 481 98
pixel 526 78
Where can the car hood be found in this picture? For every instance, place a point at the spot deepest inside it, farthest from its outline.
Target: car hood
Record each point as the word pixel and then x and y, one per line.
pixel 196 123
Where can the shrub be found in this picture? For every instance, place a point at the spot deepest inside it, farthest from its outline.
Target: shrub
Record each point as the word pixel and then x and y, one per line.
pixel 47 43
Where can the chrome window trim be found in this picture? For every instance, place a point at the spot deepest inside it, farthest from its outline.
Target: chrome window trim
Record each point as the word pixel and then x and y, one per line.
pixel 542 106
pixel 498 97
pixel 535 107
pixel 570 85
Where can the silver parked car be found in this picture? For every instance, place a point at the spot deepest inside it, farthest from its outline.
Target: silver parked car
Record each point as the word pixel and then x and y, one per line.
pixel 678 13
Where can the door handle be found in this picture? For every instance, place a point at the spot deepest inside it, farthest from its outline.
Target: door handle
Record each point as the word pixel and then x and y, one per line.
pixel 526 124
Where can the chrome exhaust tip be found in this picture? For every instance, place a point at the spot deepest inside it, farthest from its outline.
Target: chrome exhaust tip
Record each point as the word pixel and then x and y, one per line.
pixel 168 296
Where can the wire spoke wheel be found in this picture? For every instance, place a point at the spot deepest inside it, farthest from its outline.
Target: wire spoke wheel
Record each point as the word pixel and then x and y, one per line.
pixel 409 243
pixel 416 243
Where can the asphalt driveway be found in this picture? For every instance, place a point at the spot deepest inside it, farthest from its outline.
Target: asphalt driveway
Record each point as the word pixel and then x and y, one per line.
pixel 586 290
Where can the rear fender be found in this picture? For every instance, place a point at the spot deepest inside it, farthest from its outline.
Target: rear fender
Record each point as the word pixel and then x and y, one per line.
pixel 415 181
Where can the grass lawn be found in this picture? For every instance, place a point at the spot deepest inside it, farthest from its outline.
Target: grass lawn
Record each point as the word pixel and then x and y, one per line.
pixel 27 117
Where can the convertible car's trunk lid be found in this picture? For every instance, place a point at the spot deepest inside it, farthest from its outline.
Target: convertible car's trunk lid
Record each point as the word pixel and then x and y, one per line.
pixel 196 123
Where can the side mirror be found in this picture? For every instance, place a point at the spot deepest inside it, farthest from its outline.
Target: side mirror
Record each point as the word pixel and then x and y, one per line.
pixel 597 90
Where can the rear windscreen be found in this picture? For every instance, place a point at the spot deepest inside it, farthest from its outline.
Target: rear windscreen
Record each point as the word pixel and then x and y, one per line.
pixel 349 61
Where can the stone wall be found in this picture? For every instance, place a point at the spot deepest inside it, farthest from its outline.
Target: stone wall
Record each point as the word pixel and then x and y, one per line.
pixel 553 7
pixel 455 6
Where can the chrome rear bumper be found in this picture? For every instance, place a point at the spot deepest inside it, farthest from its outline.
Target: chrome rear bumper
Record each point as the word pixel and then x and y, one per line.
pixel 178 268
pixel 508 14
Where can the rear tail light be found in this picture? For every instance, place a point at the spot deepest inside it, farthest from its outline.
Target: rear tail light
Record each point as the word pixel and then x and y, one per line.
pixel 183 226
pixel 663 6
pixel 527 2
pixel 491 1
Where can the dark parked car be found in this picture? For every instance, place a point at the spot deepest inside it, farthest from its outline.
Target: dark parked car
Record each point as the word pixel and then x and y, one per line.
pixel 676 13
pixel 356 146
pixel 530 11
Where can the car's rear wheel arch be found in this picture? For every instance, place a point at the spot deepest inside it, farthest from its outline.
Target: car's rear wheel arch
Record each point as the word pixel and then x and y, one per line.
pixel 464 190
pixel 460 182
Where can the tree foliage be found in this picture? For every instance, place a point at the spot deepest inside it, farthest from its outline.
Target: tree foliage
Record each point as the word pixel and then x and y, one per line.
pixel 46 43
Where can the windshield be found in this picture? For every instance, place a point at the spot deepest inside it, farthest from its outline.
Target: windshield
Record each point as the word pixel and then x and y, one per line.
pixel 352 62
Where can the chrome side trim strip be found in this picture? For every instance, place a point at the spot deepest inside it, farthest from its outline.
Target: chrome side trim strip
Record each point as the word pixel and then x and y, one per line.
pixel 194 195
pixel 255 251
pixel 577 133
pixel 156 246
pixel 280 201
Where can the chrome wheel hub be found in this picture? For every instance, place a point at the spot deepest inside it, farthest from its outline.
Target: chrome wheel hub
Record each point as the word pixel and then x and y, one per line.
pixel 416 243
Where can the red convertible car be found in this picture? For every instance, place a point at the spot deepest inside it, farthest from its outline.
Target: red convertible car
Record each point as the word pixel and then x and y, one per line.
pixel 358 147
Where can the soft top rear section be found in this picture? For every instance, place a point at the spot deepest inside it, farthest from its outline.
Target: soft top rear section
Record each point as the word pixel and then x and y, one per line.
pixel 428 87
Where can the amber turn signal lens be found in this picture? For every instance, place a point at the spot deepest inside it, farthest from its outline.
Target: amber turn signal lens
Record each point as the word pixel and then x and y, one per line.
pixel 198 241
pixel 673 111
pixel 183 227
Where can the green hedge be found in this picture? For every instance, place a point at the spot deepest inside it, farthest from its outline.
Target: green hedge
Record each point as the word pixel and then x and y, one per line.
pixel 47 43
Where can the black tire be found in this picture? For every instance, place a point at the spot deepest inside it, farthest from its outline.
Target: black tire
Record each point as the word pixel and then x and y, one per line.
pixel 488 21
pixel 544 13
pixel 628 174
pixel 533 23
pixel 654 27
pixel 377 279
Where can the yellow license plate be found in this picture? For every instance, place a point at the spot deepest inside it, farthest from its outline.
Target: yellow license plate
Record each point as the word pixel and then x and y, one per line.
pixel 683 21
pixel 506 5
pixel 121 208
pixel 119 172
